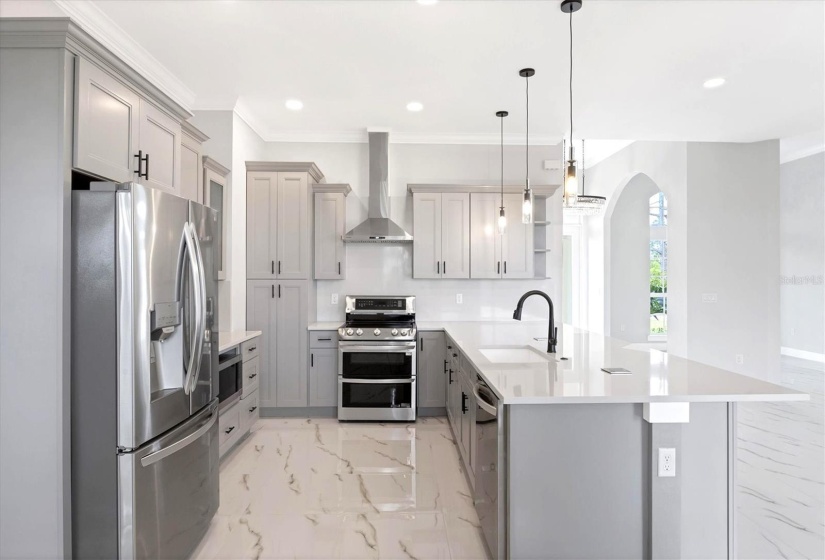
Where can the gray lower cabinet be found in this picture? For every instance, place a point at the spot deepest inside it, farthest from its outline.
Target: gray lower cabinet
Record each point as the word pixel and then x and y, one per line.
pixel 279 310
pixel 431 370
pixel 323 377
pixel 467 417
pixel 451 387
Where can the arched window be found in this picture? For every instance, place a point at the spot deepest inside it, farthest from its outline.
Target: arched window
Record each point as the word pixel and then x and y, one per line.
pixel 658 265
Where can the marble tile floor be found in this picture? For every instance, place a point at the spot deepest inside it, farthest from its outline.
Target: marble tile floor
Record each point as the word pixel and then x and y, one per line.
pixel 780 497
pixel 318 489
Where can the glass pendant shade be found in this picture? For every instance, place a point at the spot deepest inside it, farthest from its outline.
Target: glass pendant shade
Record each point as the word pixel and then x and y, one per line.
pixel 502 221
pixel 527 205
pixel 571 184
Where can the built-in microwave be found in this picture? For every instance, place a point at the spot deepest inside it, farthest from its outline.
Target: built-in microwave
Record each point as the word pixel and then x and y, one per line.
pixel 230 376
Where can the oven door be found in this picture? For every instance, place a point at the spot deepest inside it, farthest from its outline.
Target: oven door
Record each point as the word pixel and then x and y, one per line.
pixel 377 381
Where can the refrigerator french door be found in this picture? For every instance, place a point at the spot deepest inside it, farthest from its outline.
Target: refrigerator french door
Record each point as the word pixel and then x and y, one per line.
pixel 144 372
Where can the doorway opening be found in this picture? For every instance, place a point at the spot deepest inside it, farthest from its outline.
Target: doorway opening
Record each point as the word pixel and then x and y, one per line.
pixel 657 216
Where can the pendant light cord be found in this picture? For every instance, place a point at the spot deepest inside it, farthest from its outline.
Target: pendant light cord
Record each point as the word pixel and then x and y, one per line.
pixel 527 135
pixel 502 161
pixel 571 84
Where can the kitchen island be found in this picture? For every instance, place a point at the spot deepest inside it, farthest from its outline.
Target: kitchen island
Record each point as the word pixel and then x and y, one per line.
pixel 566 462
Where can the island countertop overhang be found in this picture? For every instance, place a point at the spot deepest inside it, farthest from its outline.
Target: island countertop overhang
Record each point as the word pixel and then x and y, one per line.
pixel 656 377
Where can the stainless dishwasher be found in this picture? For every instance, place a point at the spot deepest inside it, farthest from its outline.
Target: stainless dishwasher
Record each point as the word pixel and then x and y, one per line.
pixel 489 488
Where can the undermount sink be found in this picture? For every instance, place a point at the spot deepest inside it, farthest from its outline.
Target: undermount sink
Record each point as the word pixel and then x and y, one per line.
pixel 515 355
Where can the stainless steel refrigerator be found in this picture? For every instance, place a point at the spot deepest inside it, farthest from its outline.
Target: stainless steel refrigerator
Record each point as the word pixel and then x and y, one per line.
pixel 144 380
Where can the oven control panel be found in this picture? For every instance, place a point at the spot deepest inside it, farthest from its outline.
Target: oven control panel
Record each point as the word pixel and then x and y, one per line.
pixel 393 305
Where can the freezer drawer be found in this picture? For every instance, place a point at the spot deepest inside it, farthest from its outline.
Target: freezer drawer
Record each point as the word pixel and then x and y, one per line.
pixel 169 490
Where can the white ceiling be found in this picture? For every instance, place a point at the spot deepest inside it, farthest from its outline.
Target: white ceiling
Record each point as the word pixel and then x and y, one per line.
pixel 638 73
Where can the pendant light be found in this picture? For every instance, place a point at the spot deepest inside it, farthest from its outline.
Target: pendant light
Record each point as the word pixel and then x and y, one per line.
pixel 527 204
pixel 502 219
pixel 586 204
pixel 571 186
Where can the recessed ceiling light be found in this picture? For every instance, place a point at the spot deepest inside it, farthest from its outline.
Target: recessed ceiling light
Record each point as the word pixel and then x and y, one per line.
pixel 414 106
pixel 714 83
pixel 294 105
pixel 427 2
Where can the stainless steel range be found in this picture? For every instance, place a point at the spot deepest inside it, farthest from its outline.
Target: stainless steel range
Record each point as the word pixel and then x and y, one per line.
pixel 376 365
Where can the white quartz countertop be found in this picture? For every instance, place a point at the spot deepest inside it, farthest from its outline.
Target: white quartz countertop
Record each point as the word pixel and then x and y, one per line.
pixel 656 376
pixel 325 326
pixel 228 339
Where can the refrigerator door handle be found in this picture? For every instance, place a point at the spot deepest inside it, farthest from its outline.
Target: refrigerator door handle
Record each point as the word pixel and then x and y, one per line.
pixel 197 284
pixel 152 458
pixel 201 332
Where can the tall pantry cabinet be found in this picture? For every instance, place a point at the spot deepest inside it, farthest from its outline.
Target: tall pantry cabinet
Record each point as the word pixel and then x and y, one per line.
pixel 279 275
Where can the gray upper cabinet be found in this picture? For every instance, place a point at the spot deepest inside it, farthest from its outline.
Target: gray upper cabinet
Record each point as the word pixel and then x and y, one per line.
pixel 441 235
pixel 494 255
pixel 160 143
pixel 191 166
pixel 432 368
pixel 261 209
pixel 485 250
pixel 107 121
pixel 292 225
pixel 114 125
pixel 323 377
pixel 216 195
pixel 260 316
pixel 291 340
pixel 330 226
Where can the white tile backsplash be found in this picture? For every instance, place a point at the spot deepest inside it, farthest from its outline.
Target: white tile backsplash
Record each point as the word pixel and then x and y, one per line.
pixel 375 269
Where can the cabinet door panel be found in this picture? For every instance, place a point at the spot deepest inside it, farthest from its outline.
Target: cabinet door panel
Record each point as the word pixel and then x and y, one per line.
pixel 426 235
pixel 431 386
pixel 323 377
pixel 455 235
pixel 260 316
pixel 261 209
pixel 190 173
pixel 292 225
pixel 106 124
pixel 291 360
pixel 485 241
pixel 160 141
pixel 517 246
pixel 330 256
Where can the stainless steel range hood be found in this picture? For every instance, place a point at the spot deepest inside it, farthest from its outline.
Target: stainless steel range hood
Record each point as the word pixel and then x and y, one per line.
pixel 378 228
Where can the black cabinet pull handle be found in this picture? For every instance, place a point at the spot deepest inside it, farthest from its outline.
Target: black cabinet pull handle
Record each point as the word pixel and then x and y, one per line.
pixel 451 376
pixel 505 267
pixel 229 430
pixel 449 347
pixel 312 360
pixel 139 157
pixel 445 366
pixel 253 409
pixel 339 268
pixel 455 355
pixel 273 290
pixel 438 267
pixel 252 349
pixel 253 376
pixel 498 267
pixel 463 402
pixel 279 267
pixel 146 173
pixel 279 290
pixel 326 339
pixel 444 267
pixel 273 267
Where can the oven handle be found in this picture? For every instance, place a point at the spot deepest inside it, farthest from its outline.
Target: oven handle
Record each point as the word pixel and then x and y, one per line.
pixel 407 348
pixel 377 381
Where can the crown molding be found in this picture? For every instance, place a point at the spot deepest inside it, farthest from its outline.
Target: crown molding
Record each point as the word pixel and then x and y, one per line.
pixel 104 29
pixel 286 166
pixel 360 137
pixel 193 132
pixel 213 165
pixel 342 188
pixel 540 191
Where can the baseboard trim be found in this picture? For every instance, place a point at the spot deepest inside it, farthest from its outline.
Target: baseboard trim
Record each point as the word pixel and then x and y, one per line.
pixel 803 354
pixel 300 412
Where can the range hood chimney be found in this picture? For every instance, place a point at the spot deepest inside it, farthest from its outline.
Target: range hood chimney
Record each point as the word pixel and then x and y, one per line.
pixel 378 228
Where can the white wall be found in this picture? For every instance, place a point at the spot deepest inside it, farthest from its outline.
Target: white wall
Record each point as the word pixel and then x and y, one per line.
pixel 802 254
pixel 630 261
pixel 723 231
pixel 377 269
pixel 34 304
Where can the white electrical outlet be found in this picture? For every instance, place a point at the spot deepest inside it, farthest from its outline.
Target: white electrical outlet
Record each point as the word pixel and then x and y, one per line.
pixel 334 299
pixel 709 298
pixel 459 298
pixel 667 461
pixel 740 359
